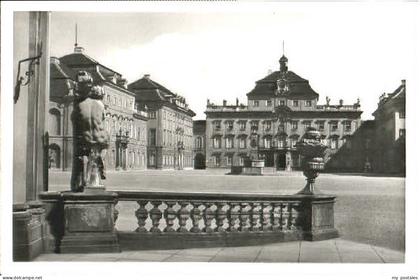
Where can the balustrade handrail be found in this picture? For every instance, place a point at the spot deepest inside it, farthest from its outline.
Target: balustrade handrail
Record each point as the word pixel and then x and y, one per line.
pixel 203 196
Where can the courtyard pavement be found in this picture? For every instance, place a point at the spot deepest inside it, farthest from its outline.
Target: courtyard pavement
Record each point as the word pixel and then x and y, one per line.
pixel 327 251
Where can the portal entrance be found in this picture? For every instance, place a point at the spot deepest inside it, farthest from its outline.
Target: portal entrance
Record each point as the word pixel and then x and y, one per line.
pixel 199 161
pixel 281 161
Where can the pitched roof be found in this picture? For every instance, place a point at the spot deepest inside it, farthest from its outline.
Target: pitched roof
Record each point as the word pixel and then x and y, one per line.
pixel 146 83
pixel 82 59
pixel 297 86
pixel 148 90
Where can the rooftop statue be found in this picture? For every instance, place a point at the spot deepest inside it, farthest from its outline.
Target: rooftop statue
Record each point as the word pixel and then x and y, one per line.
pixel 91 139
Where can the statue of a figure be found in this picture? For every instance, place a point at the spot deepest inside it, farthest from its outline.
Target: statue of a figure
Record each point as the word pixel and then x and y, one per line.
pixel 90 136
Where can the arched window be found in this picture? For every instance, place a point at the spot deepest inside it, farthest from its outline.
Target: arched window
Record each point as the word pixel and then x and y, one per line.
pixel 54 122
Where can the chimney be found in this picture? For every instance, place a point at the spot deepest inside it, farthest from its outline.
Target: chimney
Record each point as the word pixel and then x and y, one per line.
pixel 237 102
pixel 341 102
pixel 403 82
pixel 224 103
pixel 146 76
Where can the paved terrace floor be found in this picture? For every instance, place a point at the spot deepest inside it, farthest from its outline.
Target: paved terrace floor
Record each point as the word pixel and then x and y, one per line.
pixel 328 251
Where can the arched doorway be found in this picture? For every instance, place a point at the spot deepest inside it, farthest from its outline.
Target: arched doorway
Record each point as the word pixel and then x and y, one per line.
pixel 199 161
pixel 54 157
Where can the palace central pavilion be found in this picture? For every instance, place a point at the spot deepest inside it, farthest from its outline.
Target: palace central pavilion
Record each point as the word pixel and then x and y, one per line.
pixel 280 108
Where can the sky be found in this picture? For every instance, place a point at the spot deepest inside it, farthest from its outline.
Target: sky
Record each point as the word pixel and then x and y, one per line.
pixel 345 52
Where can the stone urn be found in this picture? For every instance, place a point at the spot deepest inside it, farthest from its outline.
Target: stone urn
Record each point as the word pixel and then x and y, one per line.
pixel 312 150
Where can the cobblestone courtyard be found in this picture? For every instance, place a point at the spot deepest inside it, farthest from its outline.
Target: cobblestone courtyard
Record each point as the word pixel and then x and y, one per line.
pixel 369 209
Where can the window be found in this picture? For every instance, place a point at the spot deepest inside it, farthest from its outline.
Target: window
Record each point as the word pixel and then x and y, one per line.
pixel 334 125
pixel 241 161
pixel 199 143
pixel 295 103
pixel 229 142
pixel 242 125
pixel 152 115
pixel 256 103
pixel 217 142
pixel 242 143
pixel 267 142
pixel 334 143
pixel 347 125
pixel 321 125
pixel 282 102
pixel 282 142
pixel 228 160
pixel 267 125
pixel 152 138
pixel 402 132
pixel 294 125
pixel 402 114
pixel 229 125
pixel 217 125
pixel 254 126
pixel 308 103
pixel 306 124
pixel 217 160
pixel 253 143
pixel 269 103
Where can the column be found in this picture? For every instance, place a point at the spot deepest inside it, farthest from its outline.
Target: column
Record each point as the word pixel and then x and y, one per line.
pixel 38 101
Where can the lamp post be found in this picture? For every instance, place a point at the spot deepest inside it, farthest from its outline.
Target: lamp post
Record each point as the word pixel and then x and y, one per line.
pixel 312 150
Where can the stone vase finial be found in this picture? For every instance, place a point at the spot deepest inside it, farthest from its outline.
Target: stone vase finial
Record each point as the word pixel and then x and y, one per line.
pixel 312 150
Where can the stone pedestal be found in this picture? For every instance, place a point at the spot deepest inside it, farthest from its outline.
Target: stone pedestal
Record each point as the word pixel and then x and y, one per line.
pixel 28 231
pixel 84 222
pixel 89 223
pixel 318 217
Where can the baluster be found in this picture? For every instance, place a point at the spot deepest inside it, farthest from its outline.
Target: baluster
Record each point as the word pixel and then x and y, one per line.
pixel 275 216
pixel 183 216
pixel 244 217
pixel 141 215
pixel 255 216
pixel 265 216
pixel 170 215
pixel 284 216
pixel 221 215
pixel 233 216
pixel 196 216
pixel 155 215
pixel 294 215
pixel 208 217
pixel 115 212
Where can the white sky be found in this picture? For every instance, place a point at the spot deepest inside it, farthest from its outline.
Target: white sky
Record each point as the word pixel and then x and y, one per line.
pixel 345 52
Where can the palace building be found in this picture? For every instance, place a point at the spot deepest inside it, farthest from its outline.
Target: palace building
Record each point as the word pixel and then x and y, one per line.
pixel 280 108
pixel 390 132
pixel 126 124
pixel 170 125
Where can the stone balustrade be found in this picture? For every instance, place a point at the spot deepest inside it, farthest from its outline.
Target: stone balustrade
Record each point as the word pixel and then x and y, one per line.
pixel 180 220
